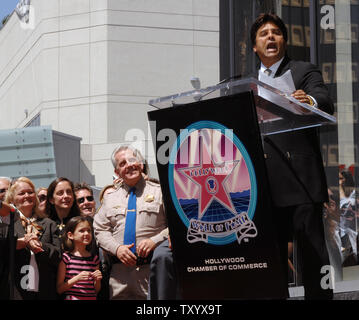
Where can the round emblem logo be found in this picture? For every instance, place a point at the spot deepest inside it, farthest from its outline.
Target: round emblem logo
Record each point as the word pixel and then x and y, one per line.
pixel 213 184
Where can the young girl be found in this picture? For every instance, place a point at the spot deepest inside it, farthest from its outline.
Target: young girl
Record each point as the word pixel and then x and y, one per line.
pixel 78 275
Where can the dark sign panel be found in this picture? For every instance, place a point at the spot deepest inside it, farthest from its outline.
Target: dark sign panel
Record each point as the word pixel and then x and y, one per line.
pixel 217 200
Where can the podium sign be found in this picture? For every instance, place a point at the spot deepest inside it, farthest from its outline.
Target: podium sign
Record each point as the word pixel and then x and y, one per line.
pixel 217 200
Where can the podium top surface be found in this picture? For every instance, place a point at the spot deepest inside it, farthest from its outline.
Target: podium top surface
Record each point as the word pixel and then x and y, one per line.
pixel 277 111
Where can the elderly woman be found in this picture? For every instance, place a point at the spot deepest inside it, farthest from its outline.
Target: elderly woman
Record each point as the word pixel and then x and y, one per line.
pixel 61 205
pixel 37 248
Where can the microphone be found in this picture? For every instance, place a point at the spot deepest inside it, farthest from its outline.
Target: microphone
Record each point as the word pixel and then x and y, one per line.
pixel 235 77
pixel 196 84
pixel 200 97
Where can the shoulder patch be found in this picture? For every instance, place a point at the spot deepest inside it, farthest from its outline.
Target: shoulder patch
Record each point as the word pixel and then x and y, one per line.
pixel 153 181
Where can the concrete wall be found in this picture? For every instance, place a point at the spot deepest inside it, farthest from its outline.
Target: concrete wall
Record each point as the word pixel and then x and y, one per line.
pixel 91 66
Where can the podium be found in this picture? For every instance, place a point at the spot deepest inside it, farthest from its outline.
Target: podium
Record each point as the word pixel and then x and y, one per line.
pixel 211 165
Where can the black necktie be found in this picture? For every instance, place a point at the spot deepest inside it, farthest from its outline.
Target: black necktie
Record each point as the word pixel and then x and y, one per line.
pixel 268 72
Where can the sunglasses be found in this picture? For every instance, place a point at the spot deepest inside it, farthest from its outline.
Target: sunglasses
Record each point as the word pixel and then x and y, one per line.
pixel 42 198
pixel 82 200
pixel 3 190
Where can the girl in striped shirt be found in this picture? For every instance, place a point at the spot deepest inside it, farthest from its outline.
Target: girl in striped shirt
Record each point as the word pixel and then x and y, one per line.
pixel 78 276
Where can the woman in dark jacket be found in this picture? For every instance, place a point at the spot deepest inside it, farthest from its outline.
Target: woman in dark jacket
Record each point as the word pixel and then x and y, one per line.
pixel 61 205
pixel 37 247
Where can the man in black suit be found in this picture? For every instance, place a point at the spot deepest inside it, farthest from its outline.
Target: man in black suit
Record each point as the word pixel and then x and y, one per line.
pixel 294 163
pixel 4 252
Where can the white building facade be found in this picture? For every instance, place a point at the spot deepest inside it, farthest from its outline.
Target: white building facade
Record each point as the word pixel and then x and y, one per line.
pixel 89 67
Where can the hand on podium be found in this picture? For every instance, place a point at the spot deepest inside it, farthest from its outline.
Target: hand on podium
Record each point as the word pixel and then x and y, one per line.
pixel 302 97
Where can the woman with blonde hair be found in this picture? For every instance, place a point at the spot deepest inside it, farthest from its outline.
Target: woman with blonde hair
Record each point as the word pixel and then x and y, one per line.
pixel 37 246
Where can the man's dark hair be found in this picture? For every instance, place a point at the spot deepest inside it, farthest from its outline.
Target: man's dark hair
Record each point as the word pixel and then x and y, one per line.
pixel 82 185
pixel 262 19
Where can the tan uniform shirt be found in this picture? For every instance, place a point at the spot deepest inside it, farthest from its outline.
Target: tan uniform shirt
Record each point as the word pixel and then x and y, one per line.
pixel 109 222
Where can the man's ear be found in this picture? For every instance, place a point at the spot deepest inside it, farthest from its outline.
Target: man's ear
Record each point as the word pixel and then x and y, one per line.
pixel 117 173
pixel 254 48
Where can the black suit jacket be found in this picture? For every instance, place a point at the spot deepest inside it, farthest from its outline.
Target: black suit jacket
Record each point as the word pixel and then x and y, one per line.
pixel 294 163
pixel 4 262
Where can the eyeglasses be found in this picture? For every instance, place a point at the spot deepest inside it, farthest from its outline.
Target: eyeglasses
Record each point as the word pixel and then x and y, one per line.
pixel 42 198
pixel 3 190
pixel 82 200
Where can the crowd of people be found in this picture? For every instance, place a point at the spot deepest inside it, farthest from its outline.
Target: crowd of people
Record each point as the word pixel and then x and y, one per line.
pixel 341 221
pixel 66 249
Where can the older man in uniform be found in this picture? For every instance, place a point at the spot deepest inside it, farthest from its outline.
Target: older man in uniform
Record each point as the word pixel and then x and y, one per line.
pixel 4 186
pixel 130 224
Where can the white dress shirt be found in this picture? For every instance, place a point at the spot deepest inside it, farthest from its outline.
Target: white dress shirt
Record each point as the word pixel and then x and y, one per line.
pixel 274 68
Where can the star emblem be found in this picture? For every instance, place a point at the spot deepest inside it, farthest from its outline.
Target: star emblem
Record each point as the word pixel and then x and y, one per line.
pixel 210 177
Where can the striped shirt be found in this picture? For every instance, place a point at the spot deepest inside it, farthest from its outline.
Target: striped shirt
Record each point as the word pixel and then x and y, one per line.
pixel 82 290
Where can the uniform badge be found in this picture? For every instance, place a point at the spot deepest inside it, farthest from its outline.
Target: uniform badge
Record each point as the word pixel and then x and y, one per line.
pixel 149 198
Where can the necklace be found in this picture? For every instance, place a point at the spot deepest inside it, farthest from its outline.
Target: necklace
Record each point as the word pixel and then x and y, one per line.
pixel 61 225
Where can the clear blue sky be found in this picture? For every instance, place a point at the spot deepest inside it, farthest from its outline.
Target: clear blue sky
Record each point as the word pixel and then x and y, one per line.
pixel 6 7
